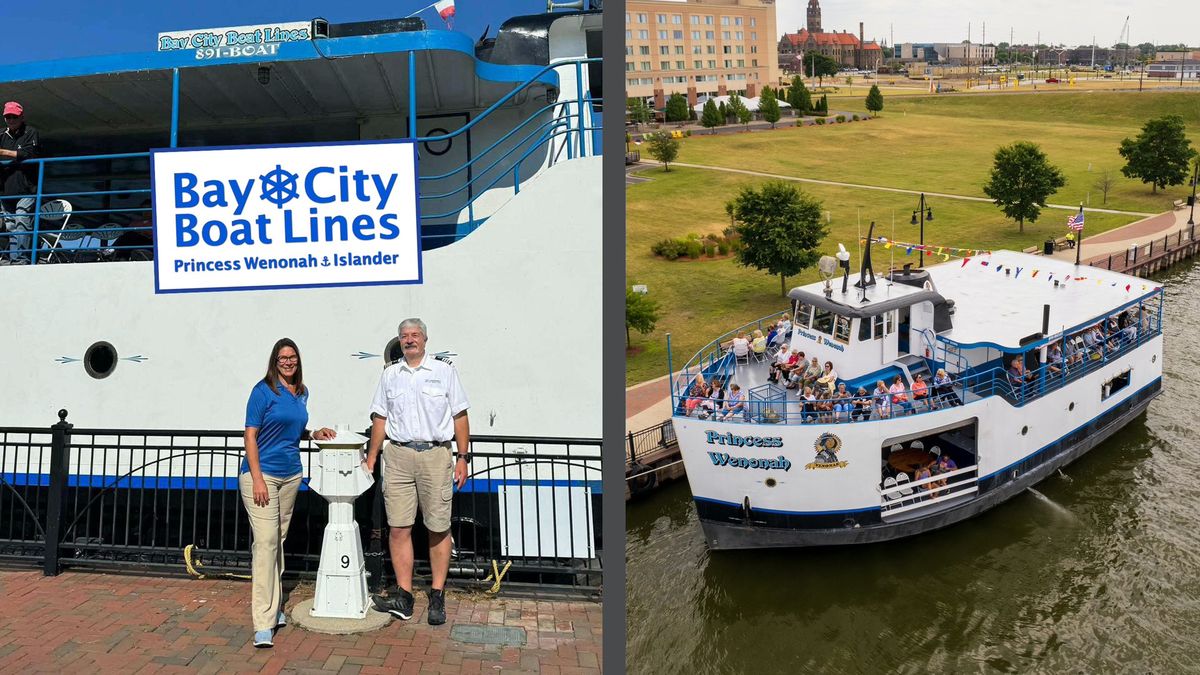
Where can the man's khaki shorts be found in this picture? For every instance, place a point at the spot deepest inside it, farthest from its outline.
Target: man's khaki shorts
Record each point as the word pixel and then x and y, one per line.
pixel 411 478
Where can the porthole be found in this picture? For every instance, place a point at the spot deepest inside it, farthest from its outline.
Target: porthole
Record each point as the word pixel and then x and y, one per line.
pixel 1072 406
pixel 100 360
pixel 1153 358
pixel 442 147
pixel 392 352
pixel 1024 430
pixel 771 482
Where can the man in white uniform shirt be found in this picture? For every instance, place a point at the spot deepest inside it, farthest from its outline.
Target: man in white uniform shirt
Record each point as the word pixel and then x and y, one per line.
pixel 418 407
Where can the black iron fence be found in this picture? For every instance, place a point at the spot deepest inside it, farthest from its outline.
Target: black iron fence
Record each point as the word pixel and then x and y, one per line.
pixel 139 498
pixel 639 443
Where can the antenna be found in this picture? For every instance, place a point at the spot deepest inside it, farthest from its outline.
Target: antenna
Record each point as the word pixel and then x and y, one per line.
pixel 866 275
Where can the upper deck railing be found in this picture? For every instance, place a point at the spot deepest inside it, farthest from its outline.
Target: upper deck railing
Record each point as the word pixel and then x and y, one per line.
pixel 967 382
pixel 80 225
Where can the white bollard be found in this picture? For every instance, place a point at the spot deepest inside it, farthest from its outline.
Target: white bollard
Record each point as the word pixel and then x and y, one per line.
pixel 339 477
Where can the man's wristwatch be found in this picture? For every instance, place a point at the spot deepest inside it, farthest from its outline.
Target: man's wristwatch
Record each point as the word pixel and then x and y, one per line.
pixel 466 457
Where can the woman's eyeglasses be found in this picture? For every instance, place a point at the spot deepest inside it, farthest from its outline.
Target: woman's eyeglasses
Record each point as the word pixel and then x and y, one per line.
pixel 287 359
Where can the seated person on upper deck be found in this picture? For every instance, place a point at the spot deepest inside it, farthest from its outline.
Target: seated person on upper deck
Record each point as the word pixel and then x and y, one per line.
pixel 759 344
pixel 862 405
pixel 828 378
pixel 808 405
pixel 882 401
pixel 736 404
pixel 1054 358
pixel 785 361
pixel 843 404
pixel 740 346
pixel 900 395
pixel 920 391
pixel 943 390
pixel 812 372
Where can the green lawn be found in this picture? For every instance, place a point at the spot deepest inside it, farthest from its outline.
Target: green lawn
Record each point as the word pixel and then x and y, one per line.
pixel 935 143
pixel 702 299
pixel 946 143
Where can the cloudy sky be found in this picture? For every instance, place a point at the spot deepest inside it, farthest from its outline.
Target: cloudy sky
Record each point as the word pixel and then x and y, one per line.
pixel 1070 22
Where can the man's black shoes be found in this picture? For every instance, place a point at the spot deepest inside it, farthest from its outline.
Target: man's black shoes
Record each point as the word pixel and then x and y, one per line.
pixel 437 607
pixel 398 603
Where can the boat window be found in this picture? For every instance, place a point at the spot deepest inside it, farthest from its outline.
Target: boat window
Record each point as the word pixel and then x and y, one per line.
pixel 864 330
pixel 1114 385
pixel 877 322
pixel 889 321
pixel 803 314
pixel 823 321
pixel 841 328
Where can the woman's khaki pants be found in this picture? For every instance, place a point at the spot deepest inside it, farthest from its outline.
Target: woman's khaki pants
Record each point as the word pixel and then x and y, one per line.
pixel 269 525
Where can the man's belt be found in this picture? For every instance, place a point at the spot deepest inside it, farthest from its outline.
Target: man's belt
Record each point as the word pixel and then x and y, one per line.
pixel 422 446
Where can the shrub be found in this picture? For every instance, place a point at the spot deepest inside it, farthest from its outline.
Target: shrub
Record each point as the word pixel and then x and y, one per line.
pixel 722 248
pixel 693 248
pixel 854 117
pixel 841 118
pixel 670 249
pixel 820 120
pixel 687 133
pixel 709 250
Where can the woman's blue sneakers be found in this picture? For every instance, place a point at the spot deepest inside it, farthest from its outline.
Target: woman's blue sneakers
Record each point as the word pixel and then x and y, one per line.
pixel 264 638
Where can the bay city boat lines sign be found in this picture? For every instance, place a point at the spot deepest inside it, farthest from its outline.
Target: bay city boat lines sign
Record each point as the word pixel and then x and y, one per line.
pixel 286 217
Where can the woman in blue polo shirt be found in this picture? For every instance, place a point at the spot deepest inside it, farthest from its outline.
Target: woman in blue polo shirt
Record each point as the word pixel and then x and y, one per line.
pixel 276 421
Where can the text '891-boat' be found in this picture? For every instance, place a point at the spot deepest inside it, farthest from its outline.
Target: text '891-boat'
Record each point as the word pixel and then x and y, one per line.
pixel 979 377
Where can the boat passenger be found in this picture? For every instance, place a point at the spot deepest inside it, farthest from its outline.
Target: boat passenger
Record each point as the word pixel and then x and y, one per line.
pixel 943 390
pixel 862 405
pixel 945 464
pixel 920 391
pixel 882 401
pixel 824 406
pixel 1071 352
pixel 1053 359
pixel 812 373
pixel 697 393
pixel 843 404
pixel 759 344
pixel 900 395
pixel 783 360
pixel 783 330
pixel 735 406
pixel 269 478
pixel 828 378
pixel 18 143
pixel 809 405
pixel 740 346
pixel 922 473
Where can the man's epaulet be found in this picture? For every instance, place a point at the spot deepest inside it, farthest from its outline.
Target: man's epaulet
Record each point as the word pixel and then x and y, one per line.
pixel 443 358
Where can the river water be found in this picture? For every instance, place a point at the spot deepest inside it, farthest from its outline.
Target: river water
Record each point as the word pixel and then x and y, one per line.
pixel 1098 572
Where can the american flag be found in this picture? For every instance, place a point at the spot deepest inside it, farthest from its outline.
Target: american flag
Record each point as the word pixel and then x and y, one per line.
pixel 1075 222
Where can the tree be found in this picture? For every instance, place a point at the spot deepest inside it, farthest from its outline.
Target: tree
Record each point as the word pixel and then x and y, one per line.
pixel 820 66
pixel 639 112
pixel 738 108
pixel 723 112
pixel 768 106
pixel 1160 154
pixel 677 108
pixel 710 118
pixel 799 97
pixel 874 100
pixel 1104 183
pixel 1021 180
pixel 780 229
pixel 641 314
pixel 663 148
pixel 850 84
pixel 823 106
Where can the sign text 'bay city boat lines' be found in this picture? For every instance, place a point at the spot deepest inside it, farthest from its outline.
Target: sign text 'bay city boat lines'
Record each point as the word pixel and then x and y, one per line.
pixel 922 398
pixel 320 181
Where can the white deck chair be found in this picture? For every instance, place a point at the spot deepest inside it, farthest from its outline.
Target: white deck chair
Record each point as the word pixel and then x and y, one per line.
pixel 907 492
pixel 55 215
pixel 889 482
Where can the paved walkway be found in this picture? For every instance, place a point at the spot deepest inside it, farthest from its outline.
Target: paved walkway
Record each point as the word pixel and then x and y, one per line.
pixel 890 189
pixel 86 623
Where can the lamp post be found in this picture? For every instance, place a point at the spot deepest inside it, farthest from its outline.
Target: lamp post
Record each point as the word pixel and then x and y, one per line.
pixel 1195 179
pixel 926 213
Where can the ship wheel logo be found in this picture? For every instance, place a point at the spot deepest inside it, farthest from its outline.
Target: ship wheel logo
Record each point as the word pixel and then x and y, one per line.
pixel 279 186
pixel 827 447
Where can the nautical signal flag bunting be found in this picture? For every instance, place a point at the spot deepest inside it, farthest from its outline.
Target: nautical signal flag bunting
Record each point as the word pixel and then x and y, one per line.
pixel 445 9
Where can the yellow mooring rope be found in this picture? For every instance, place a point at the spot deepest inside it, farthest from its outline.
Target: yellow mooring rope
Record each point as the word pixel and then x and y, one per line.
pixel 497 574
pixel 192 566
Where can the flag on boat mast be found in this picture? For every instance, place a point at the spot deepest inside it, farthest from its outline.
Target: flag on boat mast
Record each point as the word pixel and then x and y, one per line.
pixel 1075 222
pixel 445 9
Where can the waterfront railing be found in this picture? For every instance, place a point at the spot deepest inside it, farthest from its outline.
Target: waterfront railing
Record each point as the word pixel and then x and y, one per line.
pixel 164 501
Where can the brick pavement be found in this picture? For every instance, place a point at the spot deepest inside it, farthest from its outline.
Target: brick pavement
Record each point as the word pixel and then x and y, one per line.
pixel 83 623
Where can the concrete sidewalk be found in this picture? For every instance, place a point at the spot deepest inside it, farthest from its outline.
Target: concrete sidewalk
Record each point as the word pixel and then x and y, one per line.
pixel 86 623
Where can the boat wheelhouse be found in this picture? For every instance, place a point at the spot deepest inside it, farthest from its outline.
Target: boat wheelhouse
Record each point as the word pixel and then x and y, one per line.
pixel 1042 360
pixel 507 135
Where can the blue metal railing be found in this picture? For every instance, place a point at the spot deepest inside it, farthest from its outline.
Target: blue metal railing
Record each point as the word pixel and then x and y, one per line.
pixel 714 361
pixel 569 124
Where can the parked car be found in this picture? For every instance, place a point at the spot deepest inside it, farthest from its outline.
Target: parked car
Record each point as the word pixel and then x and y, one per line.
pixel 1051 80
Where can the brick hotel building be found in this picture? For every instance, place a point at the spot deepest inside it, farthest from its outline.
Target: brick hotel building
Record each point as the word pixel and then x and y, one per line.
pixel 714 47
